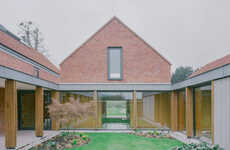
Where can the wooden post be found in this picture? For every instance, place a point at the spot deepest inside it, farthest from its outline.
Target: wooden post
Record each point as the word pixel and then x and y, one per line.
pixel 189 112
pixel 162 113
pixel 212 111
pixel 198 113
pixel 156 107
pixel 55 96
pixel 96 113
pixel 135 108
pixel 174 110
pixel 10 113
pixel 39 102
pixel 181 111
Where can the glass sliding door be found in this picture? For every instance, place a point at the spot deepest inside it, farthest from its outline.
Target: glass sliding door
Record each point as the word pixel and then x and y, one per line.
pixel 203 112
pixel 115 109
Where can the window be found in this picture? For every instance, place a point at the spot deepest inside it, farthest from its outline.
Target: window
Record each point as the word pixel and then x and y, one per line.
pixel 36 72
pixel 114 63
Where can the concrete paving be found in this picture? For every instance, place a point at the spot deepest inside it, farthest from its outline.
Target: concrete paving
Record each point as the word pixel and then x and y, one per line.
pixel 27 139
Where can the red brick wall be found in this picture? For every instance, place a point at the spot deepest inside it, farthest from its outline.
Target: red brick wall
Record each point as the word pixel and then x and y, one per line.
pixel 16 64
pixel 141 64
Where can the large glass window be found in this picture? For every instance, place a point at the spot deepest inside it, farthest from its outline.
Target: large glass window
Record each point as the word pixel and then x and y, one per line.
pixel 115 108
pixel 203 112
pixel 114 63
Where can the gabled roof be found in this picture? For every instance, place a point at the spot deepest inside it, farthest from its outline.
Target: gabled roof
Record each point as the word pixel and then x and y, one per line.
pixel 212 65
pixel 16 45
pixel 111 20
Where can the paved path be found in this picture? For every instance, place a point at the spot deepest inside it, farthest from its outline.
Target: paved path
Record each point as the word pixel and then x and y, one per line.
pixel 27 139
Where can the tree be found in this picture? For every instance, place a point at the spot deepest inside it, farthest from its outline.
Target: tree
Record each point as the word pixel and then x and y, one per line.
pixel 72 111
pixel 32 36
pixel 181 74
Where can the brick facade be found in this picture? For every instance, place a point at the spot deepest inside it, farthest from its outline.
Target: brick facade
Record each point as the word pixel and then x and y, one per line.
pixel 141 63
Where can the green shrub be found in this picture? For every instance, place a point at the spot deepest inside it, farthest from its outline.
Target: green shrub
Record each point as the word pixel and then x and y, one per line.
pixel 201 146
pixel 84 137
pixel 74 142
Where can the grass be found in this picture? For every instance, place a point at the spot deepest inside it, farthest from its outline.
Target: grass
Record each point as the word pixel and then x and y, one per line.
pixel 122 141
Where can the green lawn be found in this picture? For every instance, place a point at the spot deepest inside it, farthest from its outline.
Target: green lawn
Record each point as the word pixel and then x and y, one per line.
pixel 123 141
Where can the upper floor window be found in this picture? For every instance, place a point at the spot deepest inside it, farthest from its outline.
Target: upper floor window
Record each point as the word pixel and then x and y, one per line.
pixel 36 72
pixel 115 63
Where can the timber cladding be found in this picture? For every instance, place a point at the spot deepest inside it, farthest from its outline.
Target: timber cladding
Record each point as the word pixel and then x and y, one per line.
pixel 157 108
pixel 165 109
pixel 174 110
pixel 181 110
pixel 2 104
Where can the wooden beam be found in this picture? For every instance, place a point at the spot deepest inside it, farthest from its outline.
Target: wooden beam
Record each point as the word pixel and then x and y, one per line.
pixel 174 111
pixel 10 113
pixel 39 104
pixel 198 113
pixel 212 111
pixel 55 96
pixel 189 112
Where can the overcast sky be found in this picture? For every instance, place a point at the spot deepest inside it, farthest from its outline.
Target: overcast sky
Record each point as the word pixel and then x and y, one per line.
pixel 186 32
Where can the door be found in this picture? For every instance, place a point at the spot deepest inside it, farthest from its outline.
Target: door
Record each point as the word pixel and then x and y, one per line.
pixel 26 110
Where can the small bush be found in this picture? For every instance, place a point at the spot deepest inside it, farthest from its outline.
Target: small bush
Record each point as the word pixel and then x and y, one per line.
pixel 201 146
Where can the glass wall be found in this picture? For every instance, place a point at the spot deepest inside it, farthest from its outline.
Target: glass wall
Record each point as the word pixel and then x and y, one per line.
pixel 87 122
pixel 202 116
pixel 153 110
pixel 115 109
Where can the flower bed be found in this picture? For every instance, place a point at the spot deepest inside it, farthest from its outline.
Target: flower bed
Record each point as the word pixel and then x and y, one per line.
pixel 63 141
pixel 152 134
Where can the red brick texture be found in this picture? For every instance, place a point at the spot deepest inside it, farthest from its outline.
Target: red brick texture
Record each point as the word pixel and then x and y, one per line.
pixel 16 64
pixel 26 51
pixel 141 63
pixel 19 65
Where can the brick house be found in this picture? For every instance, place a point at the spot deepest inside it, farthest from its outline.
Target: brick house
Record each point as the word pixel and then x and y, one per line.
pixel 119 70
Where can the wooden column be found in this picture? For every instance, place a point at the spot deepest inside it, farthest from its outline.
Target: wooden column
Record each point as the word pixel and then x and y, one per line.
pixel 212 111
pixel 189 112
pixel 96 109
pixel 181 111
pixel 156 107
pixel 10 113
pixel 2 108
pixel 162 112
pixel 135 108
pixel 131 107
pixel 198 113
pixel 174 111
pixel 39 102
pixel 55 96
